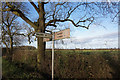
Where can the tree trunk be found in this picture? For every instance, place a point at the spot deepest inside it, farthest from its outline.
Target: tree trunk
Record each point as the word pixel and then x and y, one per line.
pixel 41 46
pixel 7 49
pixel 41 54
pixel 11 49
pixel 11 45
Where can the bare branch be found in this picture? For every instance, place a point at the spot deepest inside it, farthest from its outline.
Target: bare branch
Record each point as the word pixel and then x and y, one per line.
pixel 56 8
pixel 48 31
pixel 12 19
pixel 8 9
pixel 116 15
pixel 52 25
pixel 46 2
pixel 19 34
pixel 49 16
pixel 36 8
pixel 4 22
pixel 80 19
pixel 58 20
pixel 59 4
pixel 20 14
pixel 72 10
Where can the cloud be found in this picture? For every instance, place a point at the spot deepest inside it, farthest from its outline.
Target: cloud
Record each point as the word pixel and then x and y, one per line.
pixel 109 40
pixel 109 36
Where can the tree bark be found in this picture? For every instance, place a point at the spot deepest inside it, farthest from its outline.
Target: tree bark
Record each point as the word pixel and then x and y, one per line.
pixel 40 55
pixel 11 49
pixel 11 44
pixel 41 46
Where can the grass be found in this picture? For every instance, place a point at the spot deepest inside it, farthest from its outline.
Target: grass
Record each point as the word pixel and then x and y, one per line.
pixel 68 64
pixel 0 67
pixel 86 63
pixel 14 70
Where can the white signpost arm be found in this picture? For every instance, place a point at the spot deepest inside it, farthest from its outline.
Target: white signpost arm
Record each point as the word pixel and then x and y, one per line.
pixel 53 56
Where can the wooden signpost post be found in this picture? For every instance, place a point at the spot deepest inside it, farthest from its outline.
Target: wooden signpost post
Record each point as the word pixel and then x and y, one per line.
pixel 55 36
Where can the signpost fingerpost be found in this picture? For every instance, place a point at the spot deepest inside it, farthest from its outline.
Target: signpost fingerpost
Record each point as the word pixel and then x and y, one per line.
pixel 55 36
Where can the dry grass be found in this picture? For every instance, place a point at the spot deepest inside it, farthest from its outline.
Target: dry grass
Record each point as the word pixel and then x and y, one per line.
pixel 76 64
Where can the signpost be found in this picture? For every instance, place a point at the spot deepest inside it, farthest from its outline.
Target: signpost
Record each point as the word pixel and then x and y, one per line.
pixel 55 36
pixel 47 39
pixel 62 34
pixel 45 35
pixel 53 56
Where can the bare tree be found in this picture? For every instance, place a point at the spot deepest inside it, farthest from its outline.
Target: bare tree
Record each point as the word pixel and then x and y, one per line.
pixel 11 29
pixel 29 33
pixel 53 13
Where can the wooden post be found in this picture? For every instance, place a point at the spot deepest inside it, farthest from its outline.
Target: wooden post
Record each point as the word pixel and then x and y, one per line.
pixel 53 56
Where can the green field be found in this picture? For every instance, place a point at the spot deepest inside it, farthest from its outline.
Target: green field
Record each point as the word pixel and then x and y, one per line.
pixel 76 64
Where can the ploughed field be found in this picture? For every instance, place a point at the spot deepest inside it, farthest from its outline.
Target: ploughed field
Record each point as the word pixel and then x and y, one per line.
pixel 76 64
